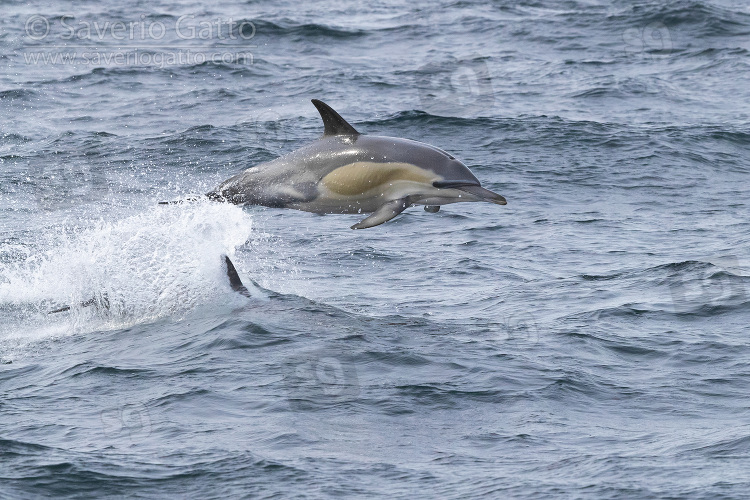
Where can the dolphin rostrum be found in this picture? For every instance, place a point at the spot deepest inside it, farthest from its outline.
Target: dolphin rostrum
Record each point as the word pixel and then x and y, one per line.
pixel 346 172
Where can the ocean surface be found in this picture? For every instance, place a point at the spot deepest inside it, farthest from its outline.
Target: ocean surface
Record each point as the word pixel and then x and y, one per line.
pixel 589 340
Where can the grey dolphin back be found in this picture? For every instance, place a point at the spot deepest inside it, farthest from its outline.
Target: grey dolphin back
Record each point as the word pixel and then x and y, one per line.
pixel 332 121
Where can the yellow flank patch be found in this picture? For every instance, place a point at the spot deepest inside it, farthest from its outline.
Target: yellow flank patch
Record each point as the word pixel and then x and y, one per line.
pixel 362 176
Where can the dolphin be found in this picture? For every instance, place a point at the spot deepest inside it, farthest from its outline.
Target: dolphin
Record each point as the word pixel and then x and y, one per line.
pixel 346 172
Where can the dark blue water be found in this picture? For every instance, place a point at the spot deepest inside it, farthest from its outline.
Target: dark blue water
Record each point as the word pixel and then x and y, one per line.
pixel 588 340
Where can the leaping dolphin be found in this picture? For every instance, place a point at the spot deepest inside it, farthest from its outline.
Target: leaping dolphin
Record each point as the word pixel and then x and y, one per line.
pixel 346 172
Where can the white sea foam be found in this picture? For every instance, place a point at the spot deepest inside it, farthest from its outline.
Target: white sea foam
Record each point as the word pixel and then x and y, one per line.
pixel 160 263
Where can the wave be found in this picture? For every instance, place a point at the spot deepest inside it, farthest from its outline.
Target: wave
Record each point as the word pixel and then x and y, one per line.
pixel 21 94
pixel 286 27
pixel 738 447
pixel 687 289
pixel 700 17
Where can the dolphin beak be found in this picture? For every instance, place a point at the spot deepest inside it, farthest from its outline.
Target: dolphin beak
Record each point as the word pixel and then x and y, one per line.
pixel 484 194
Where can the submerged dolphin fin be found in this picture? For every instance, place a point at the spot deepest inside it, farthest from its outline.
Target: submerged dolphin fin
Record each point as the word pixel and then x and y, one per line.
pixel 234 279
pixel 103 302
pixel 332 121
pixel 384 213
pixel 186 200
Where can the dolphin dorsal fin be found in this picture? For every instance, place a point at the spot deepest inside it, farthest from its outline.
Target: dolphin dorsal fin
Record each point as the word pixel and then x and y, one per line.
pixel 332 121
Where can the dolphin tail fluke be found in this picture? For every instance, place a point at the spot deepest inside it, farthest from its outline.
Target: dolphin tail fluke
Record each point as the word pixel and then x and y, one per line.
pixel 234 279
pixel 384 213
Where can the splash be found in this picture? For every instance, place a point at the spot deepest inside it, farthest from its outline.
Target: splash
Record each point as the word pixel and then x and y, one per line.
pixel 160 263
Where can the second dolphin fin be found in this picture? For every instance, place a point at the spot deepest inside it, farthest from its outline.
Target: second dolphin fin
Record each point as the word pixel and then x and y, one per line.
pixel 234 279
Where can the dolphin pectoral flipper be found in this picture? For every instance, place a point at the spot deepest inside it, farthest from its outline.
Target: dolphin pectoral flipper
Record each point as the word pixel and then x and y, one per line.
pixel 383 214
